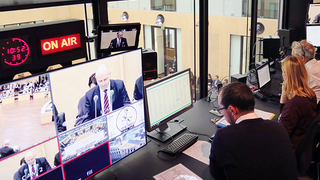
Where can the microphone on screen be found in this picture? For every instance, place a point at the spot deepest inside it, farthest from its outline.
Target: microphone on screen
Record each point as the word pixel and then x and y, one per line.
pixel 95 98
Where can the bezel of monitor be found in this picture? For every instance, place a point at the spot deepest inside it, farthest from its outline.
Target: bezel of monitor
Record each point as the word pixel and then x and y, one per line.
pixel 114 28
pixel 150 128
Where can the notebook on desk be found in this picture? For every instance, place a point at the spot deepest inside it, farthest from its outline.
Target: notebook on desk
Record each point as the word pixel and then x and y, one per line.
pixel 263 114
pixel 268 86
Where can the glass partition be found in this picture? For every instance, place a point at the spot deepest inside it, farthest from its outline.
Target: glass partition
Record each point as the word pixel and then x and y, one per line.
pixel 176 41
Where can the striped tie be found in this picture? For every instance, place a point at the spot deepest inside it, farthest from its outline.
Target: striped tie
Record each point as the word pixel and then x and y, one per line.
pixel 106 102
pixel 33 172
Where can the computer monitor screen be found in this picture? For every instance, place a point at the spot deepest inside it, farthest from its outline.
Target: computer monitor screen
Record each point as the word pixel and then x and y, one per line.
pixel 118 37
pixel 27 127
pixel 313 34
pixel 313 13
pixel 95 119
pixel 263 75
pixel 88 136
pixel 166 99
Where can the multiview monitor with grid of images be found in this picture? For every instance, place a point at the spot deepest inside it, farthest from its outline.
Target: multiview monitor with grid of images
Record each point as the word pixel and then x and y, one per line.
pixel 57 125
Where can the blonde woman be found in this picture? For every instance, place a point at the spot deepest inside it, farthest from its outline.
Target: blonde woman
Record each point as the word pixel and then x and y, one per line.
pixel 298 101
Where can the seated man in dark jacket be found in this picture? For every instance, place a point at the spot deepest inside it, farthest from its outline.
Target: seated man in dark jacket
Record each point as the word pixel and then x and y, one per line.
pixel 250 148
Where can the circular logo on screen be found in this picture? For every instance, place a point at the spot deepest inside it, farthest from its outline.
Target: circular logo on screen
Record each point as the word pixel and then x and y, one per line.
pixel 15 51
pixel 126 119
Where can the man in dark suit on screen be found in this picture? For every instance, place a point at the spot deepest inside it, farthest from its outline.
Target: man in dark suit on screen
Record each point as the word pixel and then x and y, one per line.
pixel 6 150
pixel 109 95
pixel 138 89
pixel 118 42
pixel 33 168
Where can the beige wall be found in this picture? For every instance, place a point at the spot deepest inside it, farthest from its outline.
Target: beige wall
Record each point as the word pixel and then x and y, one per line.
pixel 171 20
pixel 46 14
pixel 220 30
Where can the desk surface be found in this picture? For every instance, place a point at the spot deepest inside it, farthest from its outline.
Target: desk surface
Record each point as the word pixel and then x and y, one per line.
pixel 145 163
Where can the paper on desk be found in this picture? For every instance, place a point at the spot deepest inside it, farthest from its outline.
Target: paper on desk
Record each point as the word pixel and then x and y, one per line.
pixel 199 151
pixel 263 114
pixel 178 172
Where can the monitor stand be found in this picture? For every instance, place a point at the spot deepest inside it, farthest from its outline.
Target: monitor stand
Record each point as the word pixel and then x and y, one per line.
pixel 167 130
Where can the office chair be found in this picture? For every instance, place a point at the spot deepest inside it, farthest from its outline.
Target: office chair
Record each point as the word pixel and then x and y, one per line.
pixel 306 151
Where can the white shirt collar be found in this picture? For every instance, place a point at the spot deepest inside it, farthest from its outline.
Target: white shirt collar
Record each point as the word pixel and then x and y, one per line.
pixel 35 168
pixel 252 115
pixel 310 62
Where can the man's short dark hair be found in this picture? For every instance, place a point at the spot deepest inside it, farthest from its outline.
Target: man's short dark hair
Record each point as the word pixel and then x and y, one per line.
pixel 22 161
pixel 92 79
pixel 238 95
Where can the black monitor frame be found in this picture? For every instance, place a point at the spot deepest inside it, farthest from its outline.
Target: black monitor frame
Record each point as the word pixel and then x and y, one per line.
pixel 116 28
pixel 166 129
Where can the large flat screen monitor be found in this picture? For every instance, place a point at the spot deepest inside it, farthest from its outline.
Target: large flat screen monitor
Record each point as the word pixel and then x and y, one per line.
pixel 94 137
pixel 118 37
pixel 165 99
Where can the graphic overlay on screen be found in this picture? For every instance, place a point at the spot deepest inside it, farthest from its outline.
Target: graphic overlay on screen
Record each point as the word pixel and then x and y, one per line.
pixel 166 99
pixel 100 115
pixel 15 52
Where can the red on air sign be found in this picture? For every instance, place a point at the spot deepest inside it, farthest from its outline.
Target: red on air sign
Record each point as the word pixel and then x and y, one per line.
pixel 58 44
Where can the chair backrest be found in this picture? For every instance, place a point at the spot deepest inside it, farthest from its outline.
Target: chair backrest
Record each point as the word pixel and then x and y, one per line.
pixel 304 150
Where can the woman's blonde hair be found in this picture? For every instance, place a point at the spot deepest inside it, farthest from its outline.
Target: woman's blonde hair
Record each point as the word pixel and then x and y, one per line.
pixel 297 78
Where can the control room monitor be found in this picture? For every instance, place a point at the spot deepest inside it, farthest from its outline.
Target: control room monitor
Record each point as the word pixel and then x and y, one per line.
pixel 165 99
pixel 118 37
pixel 263 75
pixel 32 109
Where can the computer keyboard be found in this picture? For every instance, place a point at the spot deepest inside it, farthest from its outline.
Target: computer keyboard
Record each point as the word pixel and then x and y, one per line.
pixel 180 144
pixel 273 89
